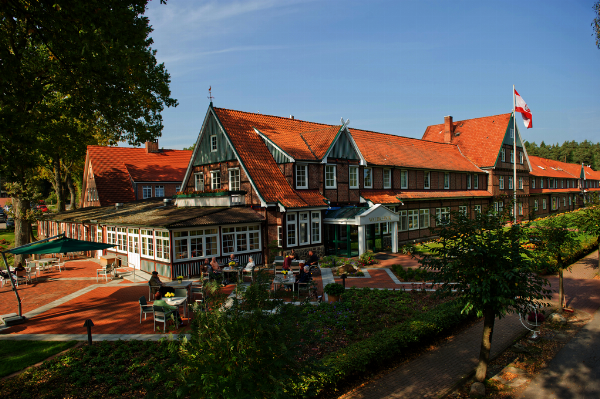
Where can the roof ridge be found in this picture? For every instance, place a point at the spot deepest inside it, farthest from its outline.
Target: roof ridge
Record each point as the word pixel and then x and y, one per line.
pixel 273 116
pixel 471 119
pixel 403 137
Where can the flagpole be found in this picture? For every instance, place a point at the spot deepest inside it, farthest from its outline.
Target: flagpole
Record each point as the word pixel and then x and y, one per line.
pixel 514 158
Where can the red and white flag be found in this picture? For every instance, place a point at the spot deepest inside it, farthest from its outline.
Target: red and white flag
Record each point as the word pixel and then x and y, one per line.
pixel 521 106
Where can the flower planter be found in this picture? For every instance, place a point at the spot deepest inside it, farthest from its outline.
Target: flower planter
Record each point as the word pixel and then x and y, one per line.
pixel 333 298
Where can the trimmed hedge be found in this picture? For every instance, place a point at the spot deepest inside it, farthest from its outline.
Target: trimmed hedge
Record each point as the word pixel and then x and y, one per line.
pixel 379 348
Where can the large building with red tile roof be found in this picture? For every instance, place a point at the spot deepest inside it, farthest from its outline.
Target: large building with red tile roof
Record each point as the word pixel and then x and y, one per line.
pixel 123 174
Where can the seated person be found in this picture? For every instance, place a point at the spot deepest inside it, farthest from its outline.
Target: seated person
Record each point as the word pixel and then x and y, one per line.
pixel 250 265
pixel 313 260
pixel 205 266
pixel 304 277
pixel 19 268
pixel 287 263
pixel 155 282
pixel 233 261
pixel 160 302
pixel 215 268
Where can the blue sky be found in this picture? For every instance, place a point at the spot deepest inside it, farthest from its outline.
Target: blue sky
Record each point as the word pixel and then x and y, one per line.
pixel 388 66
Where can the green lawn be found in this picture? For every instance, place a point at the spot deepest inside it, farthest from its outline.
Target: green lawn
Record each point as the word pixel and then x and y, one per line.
pixel 7 240
pixel 17 355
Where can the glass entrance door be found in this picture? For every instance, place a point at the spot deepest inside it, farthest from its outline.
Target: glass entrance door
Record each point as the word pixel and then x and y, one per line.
pixel 341 240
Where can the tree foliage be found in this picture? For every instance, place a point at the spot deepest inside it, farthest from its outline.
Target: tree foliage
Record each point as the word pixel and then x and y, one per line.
pixel 483 262
pixel 588 220
pixel 585 152
pixel 596 23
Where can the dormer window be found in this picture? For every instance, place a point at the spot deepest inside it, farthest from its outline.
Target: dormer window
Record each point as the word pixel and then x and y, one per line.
pixel 213 143
pixel 199 181
pixel 301 176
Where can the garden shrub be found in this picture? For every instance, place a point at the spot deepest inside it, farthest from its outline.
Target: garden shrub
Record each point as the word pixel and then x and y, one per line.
pixel 367 258
pixel 411 274
pixel 379 348
pixel 329 261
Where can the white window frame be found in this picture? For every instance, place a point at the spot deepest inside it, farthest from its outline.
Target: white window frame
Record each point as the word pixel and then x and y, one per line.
pixel 353 175
pixel 554 203
pixel 510 183
pixel 387 178
pixel 147 243
pixel 330 176
pixel 544 203
pixel 133 245
pixel 424 218
pixel 463 209
pixel 402 221
pixel 241 236
pixel 291 226
pixel 404 179
pixel 177 189
pixel 121 239
pixel 535 205
pixel 512 156
pixel 503 155
pixel 304 224
pixel 162 241
pixel 446 180
pixel 477 209
pixel 146 192
pixel 159 191
pixel 520 183
pixel 427 180
pixel 315 227
pixel 442 215
pixel 213 184
pixel 199 181
pixel 520 209
pixel 475 182
pixel 521 157
pixel 234 179
pixel 533 182
pixel 213 143
pixel 280 236
pixel 413 219
pixel 303 168
pixel 541 182
pixel 369 172
pixel 501 182
pixel 570 203
pixel 111 235
pixel 564 201
pixel 468 181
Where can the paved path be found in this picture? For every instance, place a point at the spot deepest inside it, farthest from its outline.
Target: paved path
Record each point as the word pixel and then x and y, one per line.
pixel 433 374
pixel 574 373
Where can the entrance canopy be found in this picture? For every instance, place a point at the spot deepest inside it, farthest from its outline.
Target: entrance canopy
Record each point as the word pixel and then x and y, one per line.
pixel 361 216
pixel 61 245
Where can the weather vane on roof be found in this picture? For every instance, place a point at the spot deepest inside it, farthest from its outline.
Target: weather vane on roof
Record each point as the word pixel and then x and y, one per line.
pixel 210 97
pixel 345 124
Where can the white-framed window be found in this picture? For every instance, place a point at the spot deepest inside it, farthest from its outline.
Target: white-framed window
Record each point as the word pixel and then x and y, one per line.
pixel 413 219
pixel 402 222
pixel 330 176
pixel 240 239
pixel 368 175
pixel 121 239
pixel 499 206
pixel 468 181
pixel 463 209
pixel 215 179
pixel 446 180
pixel 280 236
pixel 562 183
pixel 99 237
pixel 424 218
pixel 111 235
pixel 404 179
pixel 133 238
pixel 520 208
pixel 146 192
pixel 554 204
pixel 501 182
pixel 520 183
pixel 544 203
pixel 512 156
pixel 147 243
pixel 535 205
pixel 353 173
pixel 234 179
pixel 303 224
pixel 426 180
pixel 213 143
pixel 533 182
pixel 510 183
pixel 387 178
pixel 503 155
pixel 177 189
pixel 199 181
pixel 291 230
pixel 181 245
pixel 301 176
pixel 443 214
pixel 476 182
pixel 163 248
pixel 159 191
pixel 570 203
pixel 541 182
pixel 521 157
pixel 315 227
pixel 477 209
pixel 564 201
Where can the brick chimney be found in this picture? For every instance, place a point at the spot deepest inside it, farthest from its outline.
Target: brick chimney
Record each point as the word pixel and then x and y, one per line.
pixel 448 129
pixel 151 146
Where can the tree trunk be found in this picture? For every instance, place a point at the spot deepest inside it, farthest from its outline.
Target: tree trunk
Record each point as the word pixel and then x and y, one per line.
pixel 561 289
pixel 58 185
pixel 22 226
pixel 486 344
pixel 72 190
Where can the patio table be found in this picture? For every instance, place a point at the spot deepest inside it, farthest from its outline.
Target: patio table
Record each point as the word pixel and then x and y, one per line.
pixel 178 301
pixel 290 280
pixel 42 264
pixel 230 270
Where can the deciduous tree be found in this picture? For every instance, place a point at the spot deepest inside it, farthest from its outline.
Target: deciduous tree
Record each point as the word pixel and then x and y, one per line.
pixel 483 262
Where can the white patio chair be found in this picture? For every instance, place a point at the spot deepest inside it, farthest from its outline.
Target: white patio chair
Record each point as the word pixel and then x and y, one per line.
pixel 105 271
pixel 162 316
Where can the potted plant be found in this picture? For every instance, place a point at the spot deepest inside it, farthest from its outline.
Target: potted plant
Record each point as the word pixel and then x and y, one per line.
pixel 334 291
pixel 179 279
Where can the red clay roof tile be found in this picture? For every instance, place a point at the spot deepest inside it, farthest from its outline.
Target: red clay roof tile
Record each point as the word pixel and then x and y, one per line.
pixel 550 168
pixel 480 139
pixel 405 195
